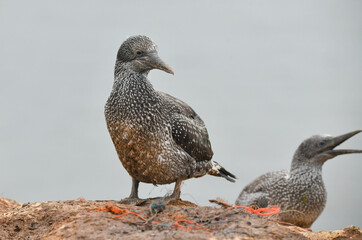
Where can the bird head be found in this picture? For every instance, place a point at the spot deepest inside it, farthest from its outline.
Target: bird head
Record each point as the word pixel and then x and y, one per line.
pixel 139 54
pixel 317 149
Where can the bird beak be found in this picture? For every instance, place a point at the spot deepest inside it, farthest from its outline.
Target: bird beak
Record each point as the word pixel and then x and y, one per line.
pixel 154 61
pixel 337 141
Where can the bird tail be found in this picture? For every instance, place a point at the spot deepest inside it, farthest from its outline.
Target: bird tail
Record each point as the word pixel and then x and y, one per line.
pixel 220 171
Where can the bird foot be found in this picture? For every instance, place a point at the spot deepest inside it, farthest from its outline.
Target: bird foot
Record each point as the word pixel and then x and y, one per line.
pixel 172 199
pixel 151 201
pixel 132 201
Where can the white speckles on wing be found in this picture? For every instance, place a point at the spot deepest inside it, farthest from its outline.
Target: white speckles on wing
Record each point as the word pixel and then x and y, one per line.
pixel 124 135
pixel 188 129
pixel 161 159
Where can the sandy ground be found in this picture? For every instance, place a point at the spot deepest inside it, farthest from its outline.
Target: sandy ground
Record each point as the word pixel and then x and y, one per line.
pixel 82 219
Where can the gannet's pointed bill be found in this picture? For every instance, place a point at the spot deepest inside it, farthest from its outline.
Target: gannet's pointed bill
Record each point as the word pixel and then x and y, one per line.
pixel 154 61
pixel 334 142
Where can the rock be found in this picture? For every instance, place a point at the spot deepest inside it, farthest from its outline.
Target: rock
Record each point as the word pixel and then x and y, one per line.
pixel 76 219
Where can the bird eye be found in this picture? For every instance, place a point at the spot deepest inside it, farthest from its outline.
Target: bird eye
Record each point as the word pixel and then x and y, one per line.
pixel 139 53
pixel 322 143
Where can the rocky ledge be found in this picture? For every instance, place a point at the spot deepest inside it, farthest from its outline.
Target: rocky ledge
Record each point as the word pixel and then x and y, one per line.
pixel 83 219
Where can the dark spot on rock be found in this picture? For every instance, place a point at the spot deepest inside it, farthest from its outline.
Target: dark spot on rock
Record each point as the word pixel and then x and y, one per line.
pixel 33 225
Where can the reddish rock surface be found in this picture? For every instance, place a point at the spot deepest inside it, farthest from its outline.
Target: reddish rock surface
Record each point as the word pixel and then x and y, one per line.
pixel 77 220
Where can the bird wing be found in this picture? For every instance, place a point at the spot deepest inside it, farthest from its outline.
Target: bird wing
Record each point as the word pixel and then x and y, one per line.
pixel 256 192
pixel 188 129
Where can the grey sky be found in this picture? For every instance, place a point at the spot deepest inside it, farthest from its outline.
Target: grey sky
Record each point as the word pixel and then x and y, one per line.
pixel 263 75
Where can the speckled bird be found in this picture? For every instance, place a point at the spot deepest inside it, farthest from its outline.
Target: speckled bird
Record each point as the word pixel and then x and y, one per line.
pixel 300 192
pixel 158 138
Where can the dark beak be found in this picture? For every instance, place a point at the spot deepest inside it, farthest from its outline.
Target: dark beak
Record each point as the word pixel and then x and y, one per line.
pixel 154 61
pixel 331 144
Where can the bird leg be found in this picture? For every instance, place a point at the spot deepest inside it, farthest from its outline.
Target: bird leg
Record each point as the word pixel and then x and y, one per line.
pixel 134 191
pixel 176 192
pixel 133 198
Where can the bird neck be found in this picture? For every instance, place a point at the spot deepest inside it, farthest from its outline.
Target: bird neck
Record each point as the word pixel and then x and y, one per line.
pixel 126 79
pixel 307 179
pixel 133 88
pixel 124 68
pixel 305 168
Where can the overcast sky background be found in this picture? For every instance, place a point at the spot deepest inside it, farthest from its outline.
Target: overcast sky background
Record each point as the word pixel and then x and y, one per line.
pixel 263 75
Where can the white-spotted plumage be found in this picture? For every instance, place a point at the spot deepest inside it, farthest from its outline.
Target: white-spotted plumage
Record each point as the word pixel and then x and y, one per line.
pixel 299 192
pixel 159 139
